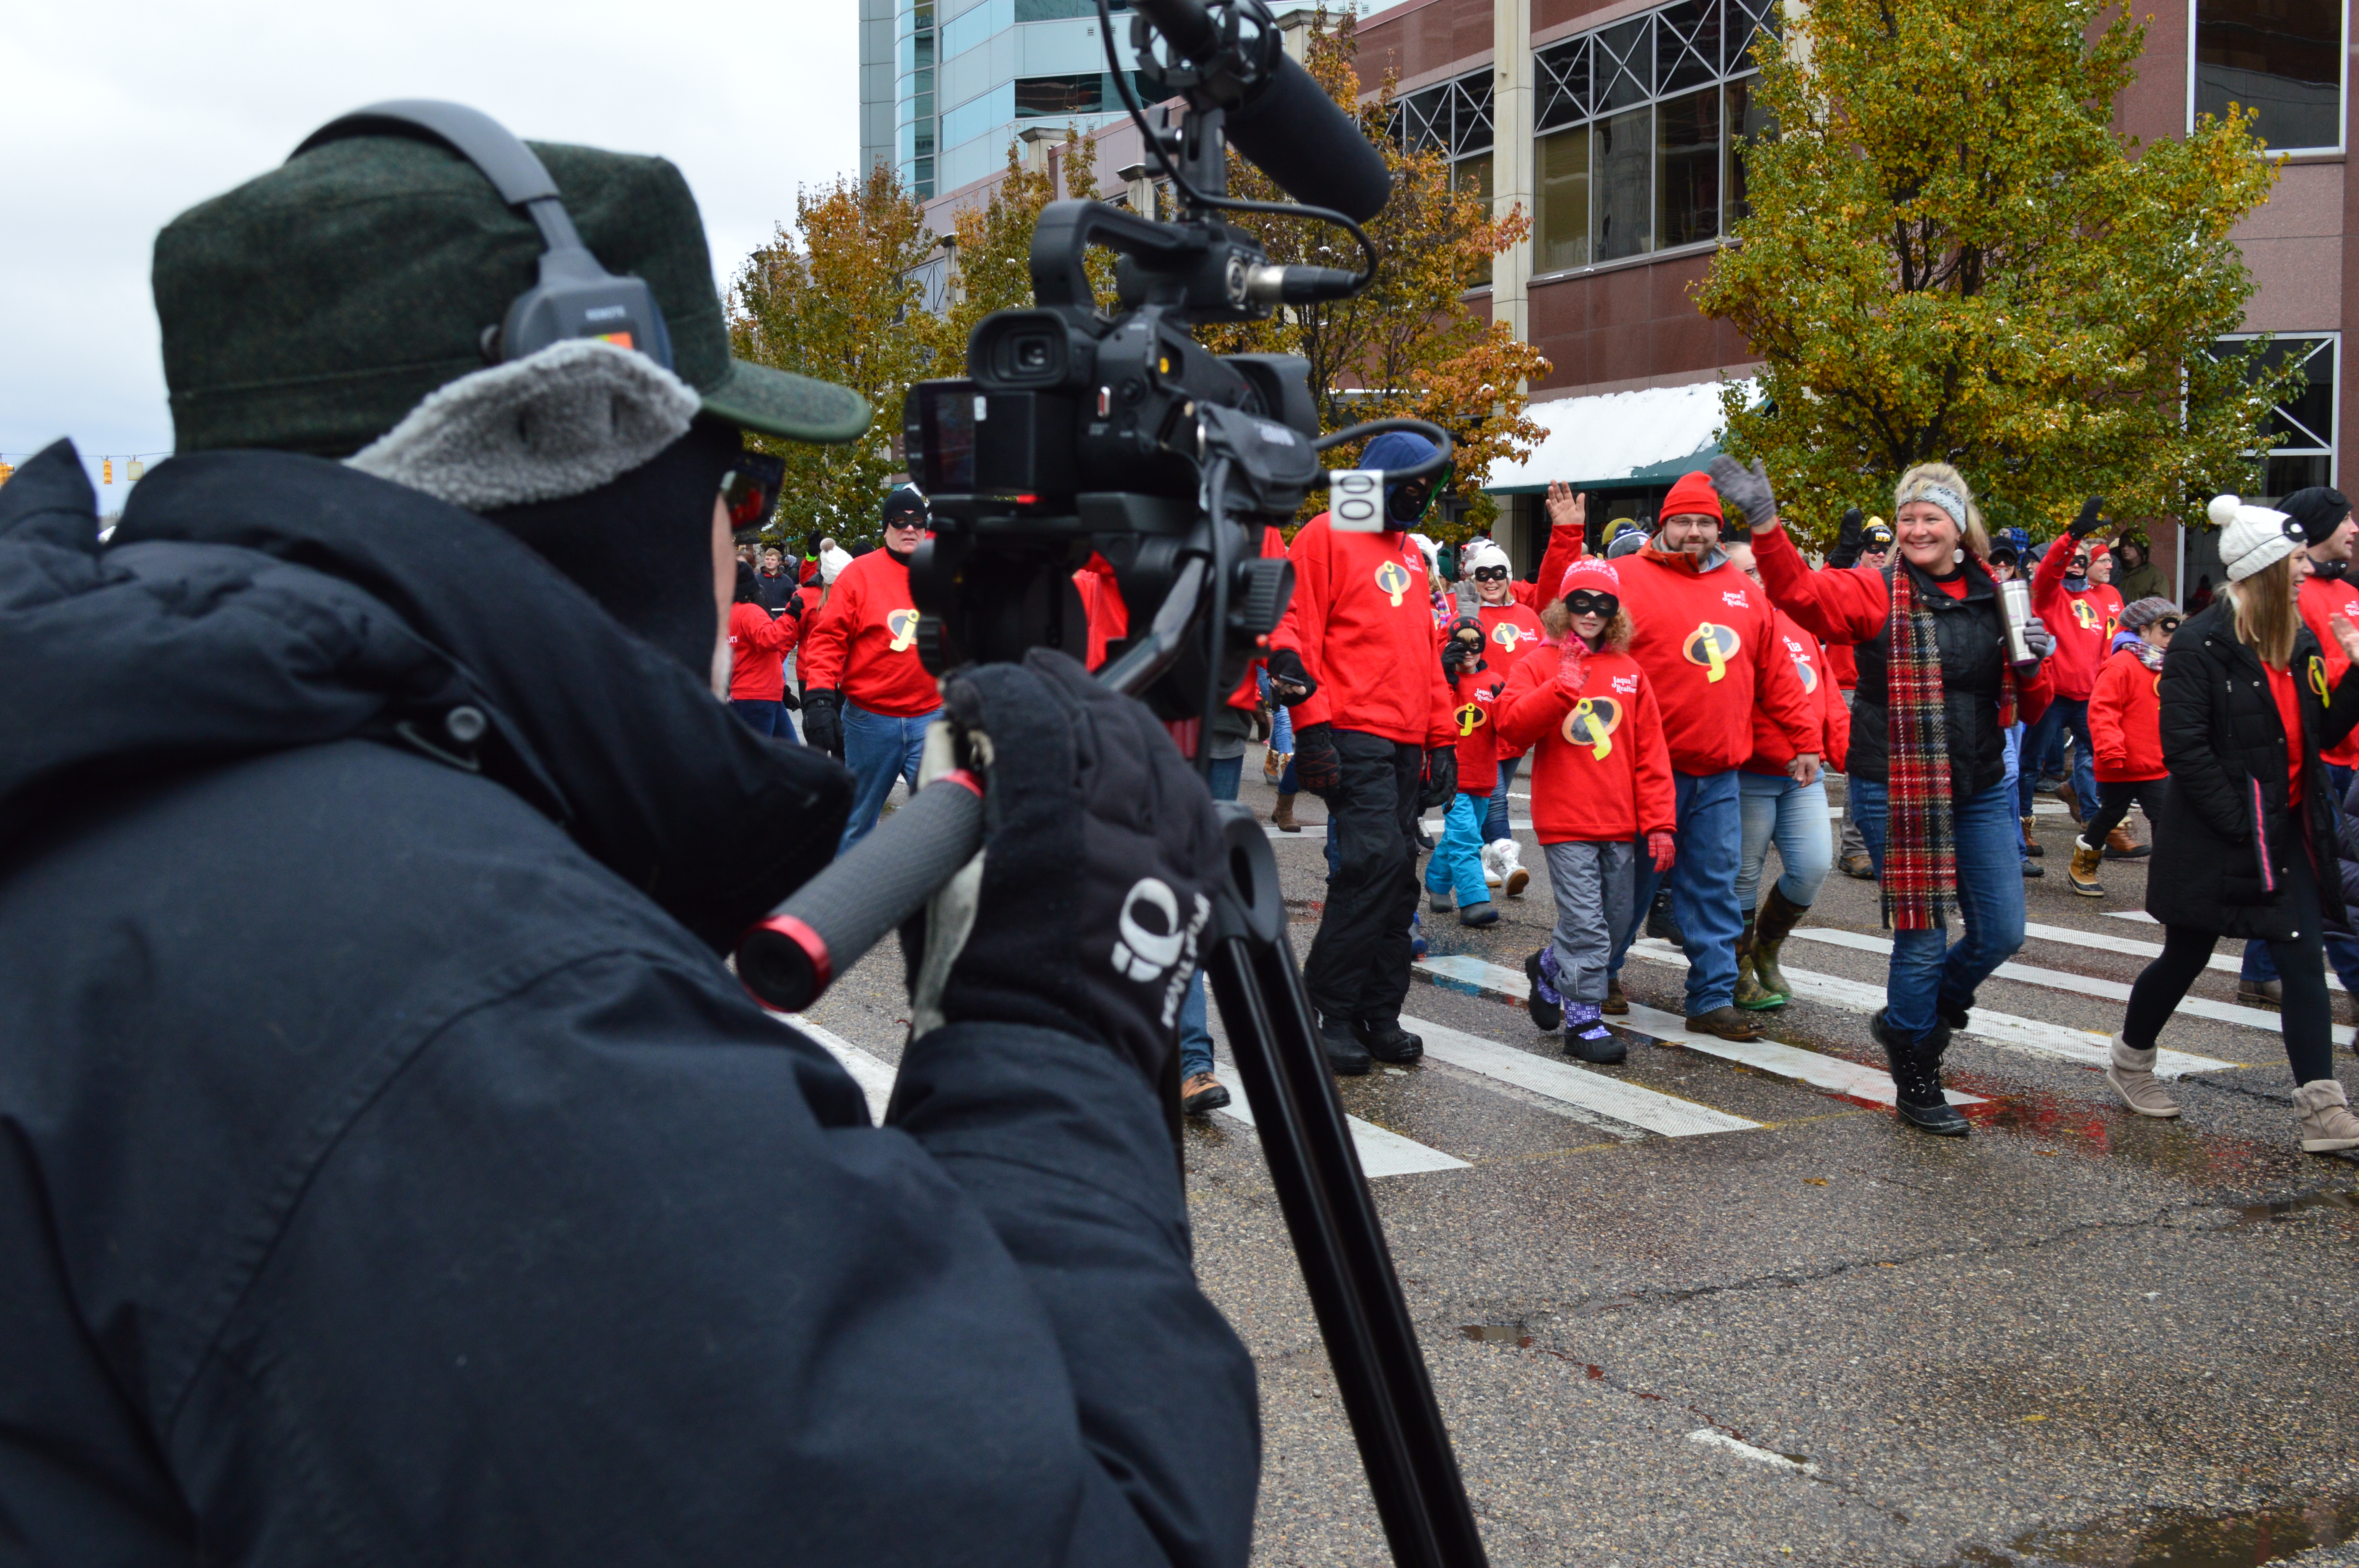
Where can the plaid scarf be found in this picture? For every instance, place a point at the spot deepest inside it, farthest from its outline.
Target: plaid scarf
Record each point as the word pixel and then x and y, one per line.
pixel 1920 845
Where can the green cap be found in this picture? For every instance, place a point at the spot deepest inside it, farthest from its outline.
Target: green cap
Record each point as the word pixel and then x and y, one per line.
pixel 310 309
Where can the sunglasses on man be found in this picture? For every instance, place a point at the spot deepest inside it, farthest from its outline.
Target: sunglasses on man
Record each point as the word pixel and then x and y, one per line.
pixel 749 491
pixel 1490 574
pixel 1581 601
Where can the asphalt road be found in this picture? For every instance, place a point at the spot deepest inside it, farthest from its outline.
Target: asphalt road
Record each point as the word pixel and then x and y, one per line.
pixel 1742 1315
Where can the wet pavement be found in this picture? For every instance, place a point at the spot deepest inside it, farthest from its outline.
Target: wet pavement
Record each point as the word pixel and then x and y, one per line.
pixel 1816 1337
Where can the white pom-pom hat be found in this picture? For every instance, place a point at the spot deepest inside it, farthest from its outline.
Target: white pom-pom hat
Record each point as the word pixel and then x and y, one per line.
pixel 2253 538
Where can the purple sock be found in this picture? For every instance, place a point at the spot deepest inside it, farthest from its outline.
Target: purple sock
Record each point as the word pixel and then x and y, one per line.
pixel 1548 978
pixel 1585 1016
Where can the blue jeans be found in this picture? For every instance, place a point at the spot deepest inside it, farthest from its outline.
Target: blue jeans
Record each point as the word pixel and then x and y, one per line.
pixel 1711 834
pixel 2013 737
pixel 1776 809
pixel 1195 1039
pixel 878 749
pixel 765 717
pixel 1930 975
pixel 1494 820
pixel 2342 952
pixel 1456 865
pixel 2064 714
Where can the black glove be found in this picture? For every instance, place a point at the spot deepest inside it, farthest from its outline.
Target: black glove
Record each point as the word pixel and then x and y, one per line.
pixel 794 704
pixel 793 606
pixel 824 721
pixel 1089 904
pixel 2086 524
pixel 1286 664
pixel 810 546
pixel 1440 778
pixel 1317 768
pixel 1461 647
pixel 1846 550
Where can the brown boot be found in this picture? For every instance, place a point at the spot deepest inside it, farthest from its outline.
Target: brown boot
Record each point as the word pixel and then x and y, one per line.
pixel 2323 1118
pixel 1749 994
pixel 1778 918
pixel 2070 798
pixel 2132 1074
pixel 2121 845
pixel 2082 872
pixel 2031 847
pixel 1724 1022
pixel 1615 1003
pixel 1284 815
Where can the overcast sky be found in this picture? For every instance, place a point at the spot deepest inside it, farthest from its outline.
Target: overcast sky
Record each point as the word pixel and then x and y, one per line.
pixel 116 117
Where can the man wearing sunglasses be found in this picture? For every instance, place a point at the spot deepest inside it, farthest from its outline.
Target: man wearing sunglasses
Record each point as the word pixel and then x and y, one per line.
pixel 867 697
pixel 394 1172
pixel 2082 615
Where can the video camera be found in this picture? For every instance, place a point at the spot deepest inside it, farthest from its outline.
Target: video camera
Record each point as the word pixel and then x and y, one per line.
pixel 1074 431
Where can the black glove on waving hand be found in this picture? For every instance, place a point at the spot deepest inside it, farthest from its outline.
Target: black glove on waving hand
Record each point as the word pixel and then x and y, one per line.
pixel 1087 908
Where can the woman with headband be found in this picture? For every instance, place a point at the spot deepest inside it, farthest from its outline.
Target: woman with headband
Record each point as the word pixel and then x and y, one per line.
pixel 1937 689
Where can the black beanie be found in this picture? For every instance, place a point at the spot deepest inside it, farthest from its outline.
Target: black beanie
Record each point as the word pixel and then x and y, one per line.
pixel 2319 510
pixel 904 501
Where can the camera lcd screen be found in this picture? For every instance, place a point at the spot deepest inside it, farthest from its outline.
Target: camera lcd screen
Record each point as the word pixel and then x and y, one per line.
pixel 947 421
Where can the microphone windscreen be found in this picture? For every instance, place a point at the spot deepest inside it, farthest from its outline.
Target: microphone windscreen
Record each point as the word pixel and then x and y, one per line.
pixel 1294 133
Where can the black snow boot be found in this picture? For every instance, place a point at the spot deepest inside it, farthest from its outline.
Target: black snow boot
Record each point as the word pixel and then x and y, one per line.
pixel 1917 1077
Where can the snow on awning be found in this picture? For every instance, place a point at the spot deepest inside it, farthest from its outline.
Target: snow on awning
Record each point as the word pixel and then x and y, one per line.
pixel 1648 437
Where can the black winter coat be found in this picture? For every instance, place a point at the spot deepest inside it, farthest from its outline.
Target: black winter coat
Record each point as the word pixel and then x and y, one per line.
pixel 391 1173
pixel 1971 636
pixel 2222 848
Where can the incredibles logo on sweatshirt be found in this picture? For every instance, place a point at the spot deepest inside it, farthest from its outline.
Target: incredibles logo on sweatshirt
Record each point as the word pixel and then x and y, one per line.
pixel 1470 717
pixel 1510 636
pixel 2317 681
pixel 2085 616
pixel 903 625
pixel 1393 578
pixel 1592 723
pixel 1713 647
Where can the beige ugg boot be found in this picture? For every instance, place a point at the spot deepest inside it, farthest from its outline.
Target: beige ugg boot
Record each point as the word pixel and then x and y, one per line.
pixel 2325 1119
pixel 2132 1074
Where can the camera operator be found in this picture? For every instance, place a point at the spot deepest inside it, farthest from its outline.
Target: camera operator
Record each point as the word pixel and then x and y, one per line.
pixel 1359 660
pixel 395 1172
pixel 867 695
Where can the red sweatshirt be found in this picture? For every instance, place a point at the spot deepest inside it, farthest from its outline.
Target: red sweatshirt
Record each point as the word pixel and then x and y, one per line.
pixel 758 646
pixel 1565 546
pixel 2125 722
pixel 1851 603
pixel 864 643
pixel 2321 601
pixel 1772 750
pixel 1603 770
pixel 1362 619
pixel 1510 633
pixel 1843 664
pixel 1708 645
pixel 2082 623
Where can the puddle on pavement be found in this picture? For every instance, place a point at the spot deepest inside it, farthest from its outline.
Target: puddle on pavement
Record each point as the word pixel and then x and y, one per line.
pixel 2184 1537
pixel 1515 1333
pixel 2285 1208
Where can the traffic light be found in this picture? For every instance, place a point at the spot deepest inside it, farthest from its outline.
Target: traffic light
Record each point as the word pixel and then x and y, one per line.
pixel 107 471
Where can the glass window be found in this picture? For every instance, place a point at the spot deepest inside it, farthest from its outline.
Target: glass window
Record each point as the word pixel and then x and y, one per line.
pixel 1058 10
pixel 1687 168
pixel 1625 64
pixel 1747 122
pixel 1472 175
pixel 1623 147
pixel 2301 430
pixel 2283 58
pixel 1560 201
pixel 1687 45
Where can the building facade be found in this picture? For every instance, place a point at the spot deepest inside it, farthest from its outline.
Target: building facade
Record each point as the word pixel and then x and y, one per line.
pixel 1620 126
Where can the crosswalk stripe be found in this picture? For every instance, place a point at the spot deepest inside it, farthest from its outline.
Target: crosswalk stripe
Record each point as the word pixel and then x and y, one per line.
pixel 2082 985
pixel 1783 1061
pixel 873 1074
pixel 2001 1029
pixel 2104 944
pixel 2139 914
pixel 1382 1153
pixel 1643 1108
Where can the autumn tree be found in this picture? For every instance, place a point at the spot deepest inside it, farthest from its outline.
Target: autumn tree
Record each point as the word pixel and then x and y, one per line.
pixel 1410 345
pixel 838 297
pixel 993 243
pixel 1952 255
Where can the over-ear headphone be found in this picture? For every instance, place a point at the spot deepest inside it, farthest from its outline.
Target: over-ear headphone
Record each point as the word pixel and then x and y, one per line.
pixel 576 296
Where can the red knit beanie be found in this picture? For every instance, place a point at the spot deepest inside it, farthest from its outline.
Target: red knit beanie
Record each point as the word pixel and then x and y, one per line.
pixel 1692 494
pixel 1592 574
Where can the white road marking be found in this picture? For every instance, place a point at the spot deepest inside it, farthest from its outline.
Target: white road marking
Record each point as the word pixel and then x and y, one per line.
pixel 1573 1085
pixel 1832 1073
pixel 873 1074
pixel 2104 944
pixel 1712 1439
pixel 2084 985
pixel 1382 1153
pixel 2132 915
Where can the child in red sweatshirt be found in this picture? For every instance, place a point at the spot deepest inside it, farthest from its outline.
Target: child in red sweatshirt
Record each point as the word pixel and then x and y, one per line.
pixel 2125 729
pixel 1600 778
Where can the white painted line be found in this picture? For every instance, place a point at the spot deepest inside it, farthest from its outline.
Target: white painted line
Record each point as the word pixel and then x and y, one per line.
pixel 1832 1073
pixel 1382 1153
pixel 873 1074
pixel 2104 944
pixel 2049 808
pixel 1317 830
pixel 2084 985
pixel 1712 1439
pixel 1575 1086
pixel 2132 915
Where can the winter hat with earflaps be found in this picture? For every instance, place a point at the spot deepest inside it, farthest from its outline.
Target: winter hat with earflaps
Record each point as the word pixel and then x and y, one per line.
pixel 2253 538
pixel 1484 553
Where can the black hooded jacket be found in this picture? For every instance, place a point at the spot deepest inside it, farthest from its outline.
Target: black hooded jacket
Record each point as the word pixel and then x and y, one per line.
pixel 390 1172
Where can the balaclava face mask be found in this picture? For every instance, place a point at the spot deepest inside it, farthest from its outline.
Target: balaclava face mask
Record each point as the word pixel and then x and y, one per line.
pixel 641 545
